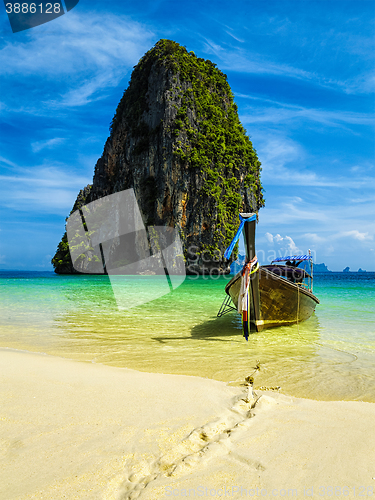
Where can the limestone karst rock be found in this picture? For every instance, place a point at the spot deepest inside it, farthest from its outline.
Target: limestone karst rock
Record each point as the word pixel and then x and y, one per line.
pixel 177 140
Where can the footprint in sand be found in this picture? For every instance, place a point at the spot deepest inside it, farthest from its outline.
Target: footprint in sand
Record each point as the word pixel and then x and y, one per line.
pixel 204 443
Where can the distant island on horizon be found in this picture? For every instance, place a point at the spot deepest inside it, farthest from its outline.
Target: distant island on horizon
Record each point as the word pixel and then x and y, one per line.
pixel 347 270
pixel 237 265
pixel 322 268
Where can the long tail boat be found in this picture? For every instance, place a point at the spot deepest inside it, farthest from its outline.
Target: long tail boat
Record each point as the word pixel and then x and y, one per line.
pixel 271 295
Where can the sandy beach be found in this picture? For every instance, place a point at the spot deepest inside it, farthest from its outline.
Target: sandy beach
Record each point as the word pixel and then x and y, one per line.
pixel 73 430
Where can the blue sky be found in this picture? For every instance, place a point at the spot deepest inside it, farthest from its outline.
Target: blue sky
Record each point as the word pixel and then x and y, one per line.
pixel 303 77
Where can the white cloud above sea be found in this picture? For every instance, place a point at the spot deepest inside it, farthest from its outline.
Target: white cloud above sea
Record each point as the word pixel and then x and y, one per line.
pixel 313 237
pixel 269 237
pixel 45 188
pixel 46 144
pixel 7 163
pixel 285 243
pixel 287 162
pixel 310 212
pixel 330 231
pixel 355 234
pixel 83 54
pixel 82 42
pixel 242 60
pixel 239 59
pixel 228 31
pixel 325 246
pixel 323 53
pixel 279 112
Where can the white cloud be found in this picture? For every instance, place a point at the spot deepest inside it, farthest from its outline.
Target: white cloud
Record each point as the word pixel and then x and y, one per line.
pixel 278 238
pixel 363 199
pixel 269 237
pixel 47 144
pixel 8 163
pixel 286 244
pixel 292 246
pixel 238 59
pixel 280 112
pixel 248 61
pixel 50 189
pixel 315 215
pixel 235 37
pixel 303 47
pixel 45 177
pixel 46 262
pixel 84 53
pixel 334 232
pixel 86 41
pixel 276 152
pixel 357 235
pixel 279 154
pixel 313 237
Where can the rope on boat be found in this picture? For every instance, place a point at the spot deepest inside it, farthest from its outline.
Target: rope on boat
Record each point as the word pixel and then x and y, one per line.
pixel 226 307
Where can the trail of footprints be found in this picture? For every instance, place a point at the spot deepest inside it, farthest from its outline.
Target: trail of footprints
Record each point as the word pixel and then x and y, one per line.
pixel 203 443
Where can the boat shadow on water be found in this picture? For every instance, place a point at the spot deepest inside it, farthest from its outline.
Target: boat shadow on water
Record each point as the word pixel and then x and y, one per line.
pixel 225 329
pixel 228 328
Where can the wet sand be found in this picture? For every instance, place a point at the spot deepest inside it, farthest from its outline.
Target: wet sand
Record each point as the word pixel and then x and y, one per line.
pixel 83 431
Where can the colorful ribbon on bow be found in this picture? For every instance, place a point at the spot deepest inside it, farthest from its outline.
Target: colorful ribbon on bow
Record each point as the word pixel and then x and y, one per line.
pixel 243 298
pixel 229 250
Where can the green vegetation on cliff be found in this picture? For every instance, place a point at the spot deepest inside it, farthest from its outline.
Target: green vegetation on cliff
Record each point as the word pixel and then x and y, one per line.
pixel 207 131
pixel 62 261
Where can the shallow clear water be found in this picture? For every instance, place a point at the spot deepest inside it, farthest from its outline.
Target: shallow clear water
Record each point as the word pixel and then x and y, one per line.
pixel 329 356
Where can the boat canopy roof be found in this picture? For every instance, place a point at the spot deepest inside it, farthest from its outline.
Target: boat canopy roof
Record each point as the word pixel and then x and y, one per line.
pixel 292 257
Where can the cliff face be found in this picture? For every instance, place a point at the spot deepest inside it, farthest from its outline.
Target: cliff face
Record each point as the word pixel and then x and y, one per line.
pixel 176 139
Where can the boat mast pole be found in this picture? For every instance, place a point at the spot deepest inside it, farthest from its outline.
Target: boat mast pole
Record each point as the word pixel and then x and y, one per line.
pixel 249 238
pixel 312 277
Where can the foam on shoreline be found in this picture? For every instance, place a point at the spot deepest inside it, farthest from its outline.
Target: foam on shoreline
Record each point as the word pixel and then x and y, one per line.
pixel 84 431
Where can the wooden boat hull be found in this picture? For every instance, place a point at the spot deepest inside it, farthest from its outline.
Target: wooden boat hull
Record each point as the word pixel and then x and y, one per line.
pixel 282 302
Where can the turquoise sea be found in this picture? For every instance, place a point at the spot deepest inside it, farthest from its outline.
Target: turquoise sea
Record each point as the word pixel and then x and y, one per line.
pixel 329 357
